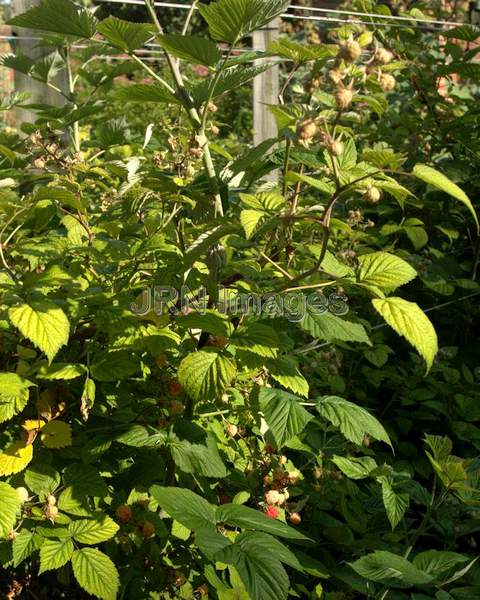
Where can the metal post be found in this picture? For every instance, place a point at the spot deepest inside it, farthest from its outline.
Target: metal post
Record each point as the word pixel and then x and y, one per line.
pixel 265 88
pixel 39 93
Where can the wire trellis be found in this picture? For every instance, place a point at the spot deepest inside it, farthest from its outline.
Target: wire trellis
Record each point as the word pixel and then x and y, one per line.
pixel 410 19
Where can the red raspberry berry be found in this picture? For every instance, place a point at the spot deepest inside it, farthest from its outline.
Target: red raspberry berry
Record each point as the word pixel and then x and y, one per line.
pixel 124 514
pixel 174 387
pixel 272 512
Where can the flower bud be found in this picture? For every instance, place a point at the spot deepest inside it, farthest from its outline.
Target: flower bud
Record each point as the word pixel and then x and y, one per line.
pixel 383 56
pixel 50 511
pixel 336 147
pixel 307 130
pixel 343 98
pixel 272 497
pixel 335 76
pixel 22 494
pixel 373 194
pixel 387 82
pixel 350 51
pixel 231 430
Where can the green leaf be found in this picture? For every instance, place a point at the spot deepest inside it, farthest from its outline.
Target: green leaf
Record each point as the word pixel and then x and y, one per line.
pixel 140 92
pixel 355 467
pixel 285 372
pixel 390 569
pixel 228 80
pixel 198 459
pixel 13 395
pixel 409 321
pixel 395 503
pixel 212 322
pixel 467 33
pixel 301 53
pixel 195 49
pixel 283 414
pixel 95 573
pixel 259 568
pixel 354 421
pixel 44 324
pixel 186 507
pixel 9 505
pixel 54 554
pixel 231 20
pixel 238 515
pixel 24 545
pixel 436 562
pixel 73 502
pixel 42 479
pixel 441 446
pixel 205 374
pixel 441 182
pixel 58 16
pixel 114 366
pixel 249 219
pixel 18 62
pixel 257 338
pixel 125 35
pixel 324 325
pixel 63 371
pixel 384 270
pixel 323 186
pixel 85 480
pixel 93 531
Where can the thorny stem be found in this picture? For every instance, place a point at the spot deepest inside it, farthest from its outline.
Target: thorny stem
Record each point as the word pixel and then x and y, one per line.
pixel 3 260
pixel 189 17
pixel 192 113
pixel 152 73
pixel 71 91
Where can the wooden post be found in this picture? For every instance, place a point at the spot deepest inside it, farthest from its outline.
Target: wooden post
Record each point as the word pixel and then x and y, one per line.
pixel 39 93
pixel 265 88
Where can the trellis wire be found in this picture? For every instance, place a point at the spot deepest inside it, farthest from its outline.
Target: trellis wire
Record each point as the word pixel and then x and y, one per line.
pixel 312 18
pixel 316 346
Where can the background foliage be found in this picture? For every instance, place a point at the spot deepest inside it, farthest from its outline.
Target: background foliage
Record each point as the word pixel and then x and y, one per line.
pixel 176 454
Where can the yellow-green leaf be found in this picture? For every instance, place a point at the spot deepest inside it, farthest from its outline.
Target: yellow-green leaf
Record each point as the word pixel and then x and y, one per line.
pixel 15 457
pixel 409 321
pixel 55 554
pixel 95 573
pixel 13 395
pixel 441 182
pixel 57 434
pixel 206 373
pixel 44 324
pixel 9 505
pixel 93 531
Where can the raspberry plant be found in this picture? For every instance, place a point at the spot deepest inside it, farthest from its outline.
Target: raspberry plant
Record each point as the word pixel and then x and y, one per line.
pixel 158 450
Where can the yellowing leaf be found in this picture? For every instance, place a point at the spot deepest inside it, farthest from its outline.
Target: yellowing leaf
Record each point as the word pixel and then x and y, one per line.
pixel 57 434
pixel 44 324
pixel 408 320
pixel 15 457
pixel 33 424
